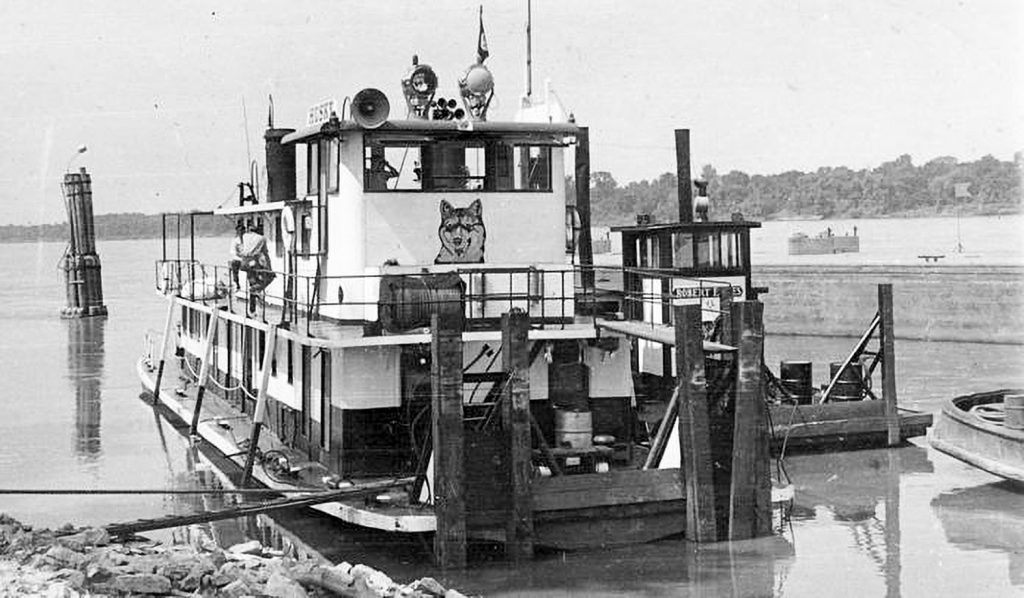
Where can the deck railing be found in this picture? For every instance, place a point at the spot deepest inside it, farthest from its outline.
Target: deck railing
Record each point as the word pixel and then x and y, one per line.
pixel 389 302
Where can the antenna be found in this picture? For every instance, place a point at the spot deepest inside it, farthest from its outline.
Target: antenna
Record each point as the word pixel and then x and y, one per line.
pixel 529 53
pixel 245 123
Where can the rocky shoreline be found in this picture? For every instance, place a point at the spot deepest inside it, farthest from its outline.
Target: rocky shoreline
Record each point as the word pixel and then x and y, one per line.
pixel 70 562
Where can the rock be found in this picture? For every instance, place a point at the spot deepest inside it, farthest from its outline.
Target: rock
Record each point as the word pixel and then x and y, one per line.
pixel 218 579
pixel 454 594
pixel 143 583
pixel 250 547
pixel 428 586
pixel 74 578
pixel 280 586
pixel 176 566
pixel 63 557
pixel 89 537
pixel 235 589
pixel 60 590
pixel 370 582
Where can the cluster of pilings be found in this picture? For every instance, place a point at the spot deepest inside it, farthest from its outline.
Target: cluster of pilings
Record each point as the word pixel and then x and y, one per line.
pixel 81 264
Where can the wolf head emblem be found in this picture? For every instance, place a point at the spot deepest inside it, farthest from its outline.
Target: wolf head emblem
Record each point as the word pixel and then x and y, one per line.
pixel 462 234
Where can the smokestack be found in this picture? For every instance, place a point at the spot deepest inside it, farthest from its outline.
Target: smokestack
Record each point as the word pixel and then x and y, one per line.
pixel 683 175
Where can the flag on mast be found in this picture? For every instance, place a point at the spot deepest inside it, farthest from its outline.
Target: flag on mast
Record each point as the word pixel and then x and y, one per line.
pixel 481 41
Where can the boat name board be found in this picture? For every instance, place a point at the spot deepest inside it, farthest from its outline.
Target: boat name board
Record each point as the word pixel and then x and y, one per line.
pixel 321 112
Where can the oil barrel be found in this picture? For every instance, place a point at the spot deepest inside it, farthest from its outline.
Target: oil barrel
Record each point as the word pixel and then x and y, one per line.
pixel 850 386
pixel 574 429
pixel 795 378
pixel 1013 406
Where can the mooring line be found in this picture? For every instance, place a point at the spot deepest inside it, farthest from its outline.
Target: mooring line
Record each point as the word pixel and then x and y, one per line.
pixel 102 491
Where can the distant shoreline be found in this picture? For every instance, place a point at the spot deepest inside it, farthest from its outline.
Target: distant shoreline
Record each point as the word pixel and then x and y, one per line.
pixel 123 226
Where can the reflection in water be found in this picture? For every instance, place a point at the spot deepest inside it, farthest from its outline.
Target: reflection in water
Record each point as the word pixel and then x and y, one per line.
pixel 85 371
pixel 200 474
pixel 862 490
pixel 987 517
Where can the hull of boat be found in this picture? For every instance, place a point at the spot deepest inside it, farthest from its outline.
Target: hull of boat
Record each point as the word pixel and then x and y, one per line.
pixel 571 512
pixel 986 445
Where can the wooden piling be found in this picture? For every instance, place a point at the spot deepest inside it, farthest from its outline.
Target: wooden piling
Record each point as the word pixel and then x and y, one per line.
pixel 887 344
pixel 204 370
pixel 449 469
pixel 725 322
pixel 515 352
pixel 81 264
pixel 694 431
pixel 750 488
pixel 261 404
pixel 586 248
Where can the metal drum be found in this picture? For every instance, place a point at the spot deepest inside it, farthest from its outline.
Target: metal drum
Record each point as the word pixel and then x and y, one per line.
pixel 850 386
pixel 795 378
pixel 1013 406
pixel 574 429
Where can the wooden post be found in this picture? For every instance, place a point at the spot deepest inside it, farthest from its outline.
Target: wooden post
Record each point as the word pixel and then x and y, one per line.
pixel 261 403
pixel 683 176
pixel 515 354
pixel 725 324
pixel 449 468
pixel 204 370
pixel 168 323
pixel 694 431
pixel 886 342
pixel 586 248
pixel 750 490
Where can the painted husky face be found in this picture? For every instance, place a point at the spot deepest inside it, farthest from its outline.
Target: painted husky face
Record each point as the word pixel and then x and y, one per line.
pixel 462 234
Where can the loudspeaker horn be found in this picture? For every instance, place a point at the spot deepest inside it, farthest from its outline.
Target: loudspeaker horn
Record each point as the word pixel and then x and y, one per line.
pixel 370 108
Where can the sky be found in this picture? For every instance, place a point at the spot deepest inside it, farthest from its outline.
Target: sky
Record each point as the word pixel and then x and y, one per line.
pixel 171 97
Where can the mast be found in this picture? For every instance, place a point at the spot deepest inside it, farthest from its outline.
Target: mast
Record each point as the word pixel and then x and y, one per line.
pixel 529 56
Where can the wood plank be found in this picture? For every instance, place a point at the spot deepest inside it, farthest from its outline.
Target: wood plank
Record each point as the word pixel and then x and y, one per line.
pixel 610 526
pixel 694 432
pixel 515 351
pixel 750 491
pixel 888 351
pixel 613 488
pixel 449 469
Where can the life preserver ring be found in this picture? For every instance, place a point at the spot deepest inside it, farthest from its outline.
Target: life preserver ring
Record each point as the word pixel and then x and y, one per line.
pixel 288 227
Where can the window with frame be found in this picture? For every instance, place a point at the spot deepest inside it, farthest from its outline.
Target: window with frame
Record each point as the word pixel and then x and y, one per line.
pixel 465 165
pixel 320 154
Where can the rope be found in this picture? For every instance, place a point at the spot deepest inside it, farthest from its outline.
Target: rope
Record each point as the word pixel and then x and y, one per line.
pixel 138 491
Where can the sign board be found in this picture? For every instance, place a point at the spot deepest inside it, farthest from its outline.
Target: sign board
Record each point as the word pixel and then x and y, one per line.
pixel 686 291
pixel 320 113
pixel 961 190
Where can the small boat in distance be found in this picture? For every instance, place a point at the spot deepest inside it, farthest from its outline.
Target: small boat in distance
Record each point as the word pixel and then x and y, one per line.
pixel 824 243
pixel 985 430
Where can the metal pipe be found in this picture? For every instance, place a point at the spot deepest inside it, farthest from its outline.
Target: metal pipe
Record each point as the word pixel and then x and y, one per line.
pixel 163 348
pixel 204 371
pixel 261 404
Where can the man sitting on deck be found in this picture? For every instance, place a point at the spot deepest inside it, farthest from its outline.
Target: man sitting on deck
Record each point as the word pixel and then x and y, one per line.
pixel 253 258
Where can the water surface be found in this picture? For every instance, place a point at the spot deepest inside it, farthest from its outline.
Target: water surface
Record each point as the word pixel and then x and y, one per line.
pixel 908 521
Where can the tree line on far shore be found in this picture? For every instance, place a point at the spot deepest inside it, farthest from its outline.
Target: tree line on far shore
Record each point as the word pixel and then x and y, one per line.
pixel 893 189
pixel 131 225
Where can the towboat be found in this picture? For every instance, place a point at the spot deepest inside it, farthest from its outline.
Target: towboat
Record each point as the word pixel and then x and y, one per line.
pixel 414 311
pixel 985 430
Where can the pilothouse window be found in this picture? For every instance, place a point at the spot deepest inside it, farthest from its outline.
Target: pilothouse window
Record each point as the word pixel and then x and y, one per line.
pixel 476 165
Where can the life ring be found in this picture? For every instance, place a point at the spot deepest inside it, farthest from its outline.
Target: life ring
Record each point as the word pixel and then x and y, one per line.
pixel 288 227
